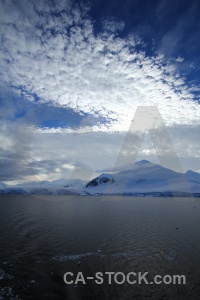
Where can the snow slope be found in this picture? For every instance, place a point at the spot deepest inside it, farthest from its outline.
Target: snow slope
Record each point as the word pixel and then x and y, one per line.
pixel 66 183
pixel 144 178
pixel 56 187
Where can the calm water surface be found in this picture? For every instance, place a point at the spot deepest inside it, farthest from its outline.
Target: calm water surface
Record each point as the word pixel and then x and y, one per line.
pixel 43 237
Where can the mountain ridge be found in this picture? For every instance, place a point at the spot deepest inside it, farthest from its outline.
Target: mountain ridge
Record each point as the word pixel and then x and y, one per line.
pixel 143 178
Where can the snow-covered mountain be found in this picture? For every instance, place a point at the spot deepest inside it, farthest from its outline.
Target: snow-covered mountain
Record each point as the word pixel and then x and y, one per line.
pixel 191 175
pixel 64 183
pixel 145 177
pixel 69 183
pixel 142 178
pixel 60 186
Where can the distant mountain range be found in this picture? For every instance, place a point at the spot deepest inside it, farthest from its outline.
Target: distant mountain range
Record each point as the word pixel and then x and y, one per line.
pixel 65 183
pixel 60 186
pixel 142 179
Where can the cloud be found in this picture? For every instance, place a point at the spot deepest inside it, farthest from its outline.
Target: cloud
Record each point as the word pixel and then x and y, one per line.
pixel 18 110
pixel 112 25
pixel 52 51
pixel 183 36
pixel 69 89
pixel 180 59
pixel 18 162
pixel 48 156
pixel 98 151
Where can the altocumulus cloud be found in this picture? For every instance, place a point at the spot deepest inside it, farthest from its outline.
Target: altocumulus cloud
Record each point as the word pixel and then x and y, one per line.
pixel 51 54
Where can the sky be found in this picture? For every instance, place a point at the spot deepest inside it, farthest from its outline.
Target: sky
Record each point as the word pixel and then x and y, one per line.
pixel 73 74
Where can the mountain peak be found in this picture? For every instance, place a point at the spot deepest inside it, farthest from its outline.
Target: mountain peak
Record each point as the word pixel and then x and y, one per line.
pixel 143 162
pixel 192 174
